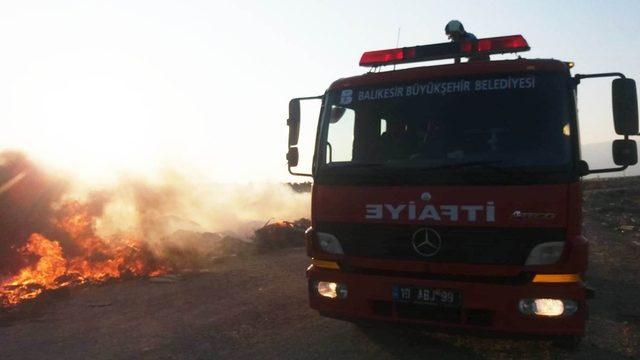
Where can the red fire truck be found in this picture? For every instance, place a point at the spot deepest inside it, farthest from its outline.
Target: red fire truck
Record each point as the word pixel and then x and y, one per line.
pixel 449 195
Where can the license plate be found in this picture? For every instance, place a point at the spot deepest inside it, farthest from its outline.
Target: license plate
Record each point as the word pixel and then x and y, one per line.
pixel 427 296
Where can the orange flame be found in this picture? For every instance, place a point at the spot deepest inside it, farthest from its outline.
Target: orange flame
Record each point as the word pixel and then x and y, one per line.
pixel 92 259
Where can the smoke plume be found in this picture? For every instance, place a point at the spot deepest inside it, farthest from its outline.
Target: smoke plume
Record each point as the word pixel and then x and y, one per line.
pixel 57 232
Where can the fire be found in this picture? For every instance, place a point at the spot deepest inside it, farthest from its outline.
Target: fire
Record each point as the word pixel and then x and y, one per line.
pixel 134 227
pixel 85 258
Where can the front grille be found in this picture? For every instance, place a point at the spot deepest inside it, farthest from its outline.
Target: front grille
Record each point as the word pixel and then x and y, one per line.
pixel 472 245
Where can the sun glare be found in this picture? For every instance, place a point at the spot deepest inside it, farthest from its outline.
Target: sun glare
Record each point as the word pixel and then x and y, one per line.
pixel 93 117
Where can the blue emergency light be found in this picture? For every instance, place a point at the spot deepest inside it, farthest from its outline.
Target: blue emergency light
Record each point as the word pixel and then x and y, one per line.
pixel 464 48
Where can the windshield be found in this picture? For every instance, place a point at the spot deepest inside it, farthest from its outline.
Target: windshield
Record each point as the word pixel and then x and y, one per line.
pixel 507 121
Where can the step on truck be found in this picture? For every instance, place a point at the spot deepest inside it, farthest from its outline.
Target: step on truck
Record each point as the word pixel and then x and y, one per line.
pixel 449 195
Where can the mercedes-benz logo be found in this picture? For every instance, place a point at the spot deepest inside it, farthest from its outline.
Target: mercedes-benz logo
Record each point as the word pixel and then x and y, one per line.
pixel 426 242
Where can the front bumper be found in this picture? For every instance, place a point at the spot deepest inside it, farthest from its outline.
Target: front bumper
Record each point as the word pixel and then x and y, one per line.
pixel 485 306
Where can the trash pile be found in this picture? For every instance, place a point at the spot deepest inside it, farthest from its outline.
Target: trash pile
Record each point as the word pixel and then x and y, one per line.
pixel 185 251
pixel 280 235
pixel 192 249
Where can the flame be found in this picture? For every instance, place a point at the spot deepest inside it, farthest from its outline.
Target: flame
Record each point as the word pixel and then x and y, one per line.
pixel 86 258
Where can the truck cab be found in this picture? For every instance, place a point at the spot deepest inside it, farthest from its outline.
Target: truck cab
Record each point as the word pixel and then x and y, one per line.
pixel 449 195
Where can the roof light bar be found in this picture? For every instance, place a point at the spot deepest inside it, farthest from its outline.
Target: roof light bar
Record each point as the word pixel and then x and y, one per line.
pixel 496 45
pixel 465 48
pixel 390 56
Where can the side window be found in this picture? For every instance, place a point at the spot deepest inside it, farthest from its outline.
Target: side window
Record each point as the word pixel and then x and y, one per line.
pixel 339 146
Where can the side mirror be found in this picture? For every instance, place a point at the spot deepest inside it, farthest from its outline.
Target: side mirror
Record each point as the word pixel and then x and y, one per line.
pixel 625 152
pixel 582 167
pixel 292 157
pixel 336 114
pixel 625 107
pixel 294 122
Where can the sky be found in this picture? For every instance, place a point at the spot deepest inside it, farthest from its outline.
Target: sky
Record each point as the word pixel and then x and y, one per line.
pixel 98 88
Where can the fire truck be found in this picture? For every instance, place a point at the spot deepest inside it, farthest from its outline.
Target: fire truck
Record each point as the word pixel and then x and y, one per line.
pixel 449 195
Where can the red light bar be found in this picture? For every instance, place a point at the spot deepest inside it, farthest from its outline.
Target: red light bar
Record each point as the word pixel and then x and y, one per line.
pixel 385 57
pixel 496 45
pixel 465 48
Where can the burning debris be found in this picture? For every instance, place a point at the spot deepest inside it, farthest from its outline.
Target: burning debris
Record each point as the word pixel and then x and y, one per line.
pixel 192 250
pixel 90 258
pixel 281 234
pixel 52 240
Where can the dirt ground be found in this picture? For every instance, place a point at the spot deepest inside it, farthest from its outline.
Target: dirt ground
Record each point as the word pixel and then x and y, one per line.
pixel 256 307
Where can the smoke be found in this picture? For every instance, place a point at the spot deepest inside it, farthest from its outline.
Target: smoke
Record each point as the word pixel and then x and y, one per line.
pixel 174 202
pixel 33 201
pixel 26 206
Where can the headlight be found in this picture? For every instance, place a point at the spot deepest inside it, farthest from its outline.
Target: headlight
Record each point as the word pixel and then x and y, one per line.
pixel 331 290
pixel 545 253
pixel 548 307
pixel 329 243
